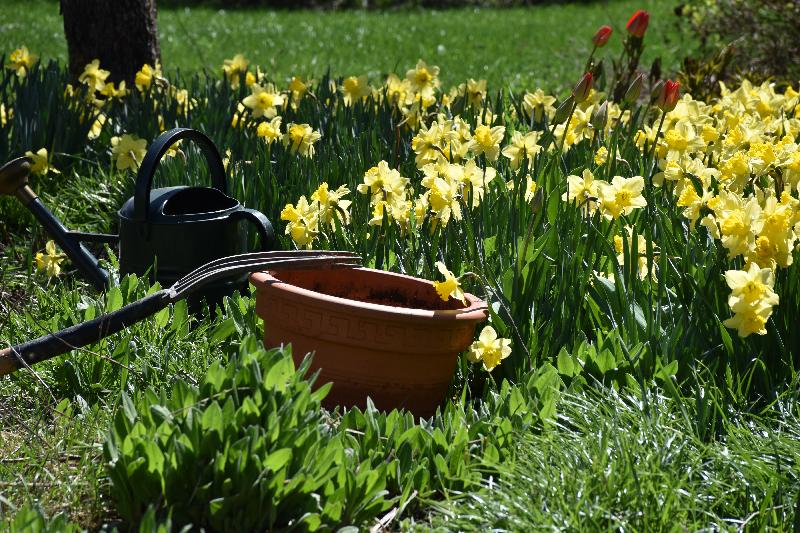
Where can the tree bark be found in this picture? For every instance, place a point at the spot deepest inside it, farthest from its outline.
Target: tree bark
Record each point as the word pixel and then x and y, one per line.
pixel 122 34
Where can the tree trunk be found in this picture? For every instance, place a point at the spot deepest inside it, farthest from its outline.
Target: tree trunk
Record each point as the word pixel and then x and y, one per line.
pixel 122 34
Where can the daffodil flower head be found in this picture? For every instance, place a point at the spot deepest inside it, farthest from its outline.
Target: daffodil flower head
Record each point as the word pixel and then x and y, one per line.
pixel 50 261
pixel 264 101
pixel 40 162
pixel 21 60
pixel 622 196
pixel 128 151
pixel 450 287
pixel 489 349
pixel 93 76
pixel 300 138
pixel 234 68
pixel 270 131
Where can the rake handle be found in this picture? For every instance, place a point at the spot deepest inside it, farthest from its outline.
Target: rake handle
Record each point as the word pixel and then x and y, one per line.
pixel 79 335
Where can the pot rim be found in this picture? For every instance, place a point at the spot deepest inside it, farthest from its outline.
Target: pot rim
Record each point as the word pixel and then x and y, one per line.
pixel 476 308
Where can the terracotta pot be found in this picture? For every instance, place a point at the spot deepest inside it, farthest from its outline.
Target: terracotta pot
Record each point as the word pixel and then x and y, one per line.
pixel 374 333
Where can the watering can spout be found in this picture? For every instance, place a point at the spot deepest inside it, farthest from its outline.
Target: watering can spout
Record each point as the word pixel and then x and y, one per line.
pixel 14 182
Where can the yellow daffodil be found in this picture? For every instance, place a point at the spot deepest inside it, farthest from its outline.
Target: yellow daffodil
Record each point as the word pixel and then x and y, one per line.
pixel 264 101
pixel 522 146
pixel 423 78
pixel 93 76
pixel 146 75
pixel 111 91
pixel 539 105
pixel 601 156
pixel 40 162
pixel 584 190
pixel 303 222
pixel 128 151
pixel 50 261
pixel 5 114
pixel 487 140
pixel 332 204
pixel 270 131
pixel 383 183
pixel 621 196
pixel 450 287
pixel 355 89
pixel 751 299
pixel 21 61
pixel 234 68
pixel 300 138
pixel 489 349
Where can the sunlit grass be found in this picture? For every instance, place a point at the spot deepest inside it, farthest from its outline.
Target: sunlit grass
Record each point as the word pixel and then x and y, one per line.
pixel 523 47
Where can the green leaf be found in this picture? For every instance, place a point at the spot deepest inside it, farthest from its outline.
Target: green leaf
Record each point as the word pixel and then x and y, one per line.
pixel 113 299
pixel 667 372
pixel 212 418
pixel 180 318
pixel 278 459
pixel 567 366
pixel 727 342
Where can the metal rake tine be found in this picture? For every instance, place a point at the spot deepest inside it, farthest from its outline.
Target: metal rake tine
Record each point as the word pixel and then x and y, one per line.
pixel 256 259
pixel 277 254
pixel 287 264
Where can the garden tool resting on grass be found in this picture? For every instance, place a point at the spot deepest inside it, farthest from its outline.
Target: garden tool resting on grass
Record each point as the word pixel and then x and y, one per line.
pixel 48 346
pixel 167 232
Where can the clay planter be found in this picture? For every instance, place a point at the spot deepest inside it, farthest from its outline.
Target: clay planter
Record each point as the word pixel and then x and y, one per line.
pixel 374 333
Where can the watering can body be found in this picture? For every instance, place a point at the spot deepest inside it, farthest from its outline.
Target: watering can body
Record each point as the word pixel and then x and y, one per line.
pixel 165 232
pixel 170 231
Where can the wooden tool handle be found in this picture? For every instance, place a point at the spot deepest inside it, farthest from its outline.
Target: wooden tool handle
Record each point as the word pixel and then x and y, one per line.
pixel 79 335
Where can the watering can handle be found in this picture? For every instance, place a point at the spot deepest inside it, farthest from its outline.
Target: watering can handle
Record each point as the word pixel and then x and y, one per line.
pixel 144 180
pixel 263 226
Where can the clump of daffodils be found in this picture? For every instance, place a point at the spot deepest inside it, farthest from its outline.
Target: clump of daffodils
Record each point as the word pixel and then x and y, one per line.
pixel 751 300
pixel 388 195
pixel 489 349
pixel 307 219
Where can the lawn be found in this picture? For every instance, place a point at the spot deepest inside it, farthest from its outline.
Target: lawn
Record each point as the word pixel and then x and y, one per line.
pixel 541 46
pixel 637 261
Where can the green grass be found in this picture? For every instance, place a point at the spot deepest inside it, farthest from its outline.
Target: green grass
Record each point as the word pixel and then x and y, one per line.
pixel 543 46
pixel 607 466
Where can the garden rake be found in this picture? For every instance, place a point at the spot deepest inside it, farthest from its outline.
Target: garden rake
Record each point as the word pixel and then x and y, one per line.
pixel 47 346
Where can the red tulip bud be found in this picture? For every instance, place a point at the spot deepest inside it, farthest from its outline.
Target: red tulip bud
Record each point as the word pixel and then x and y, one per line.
pixel 584 87
pixel 602 36
pixel 637 24
pixel 668 97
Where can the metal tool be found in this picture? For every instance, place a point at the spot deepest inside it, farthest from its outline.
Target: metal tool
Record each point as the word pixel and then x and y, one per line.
pixel 79 335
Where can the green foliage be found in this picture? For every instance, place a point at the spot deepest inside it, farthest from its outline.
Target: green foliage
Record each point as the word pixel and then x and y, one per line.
pixel 740 38
pixel 249 448
pixel 31 519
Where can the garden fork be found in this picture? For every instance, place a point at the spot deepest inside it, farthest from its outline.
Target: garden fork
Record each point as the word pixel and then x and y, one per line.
pixel 79 335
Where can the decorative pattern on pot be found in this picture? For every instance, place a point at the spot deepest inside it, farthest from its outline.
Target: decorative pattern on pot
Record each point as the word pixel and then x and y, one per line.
pixel 373 333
